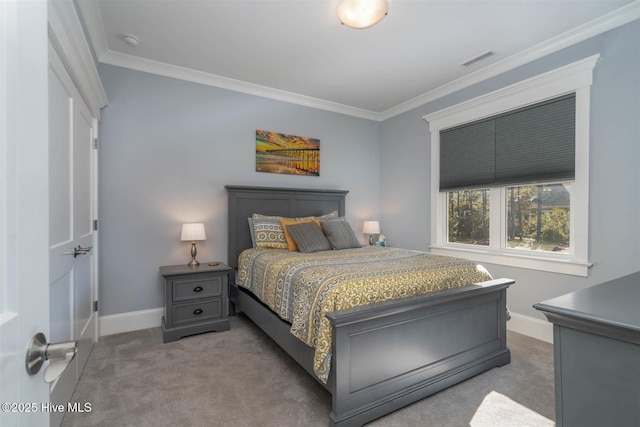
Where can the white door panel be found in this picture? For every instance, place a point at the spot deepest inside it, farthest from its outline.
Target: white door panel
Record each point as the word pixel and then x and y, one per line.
pixel 60 301
pixel 84 322
pixel 61 236
pixel 83 215
pixel 83 295
pixel 72 194
pixel 24 213
pixel 61 91
pixel 43 288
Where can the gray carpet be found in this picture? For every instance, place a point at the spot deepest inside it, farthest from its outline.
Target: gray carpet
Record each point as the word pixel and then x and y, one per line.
pixel 242 378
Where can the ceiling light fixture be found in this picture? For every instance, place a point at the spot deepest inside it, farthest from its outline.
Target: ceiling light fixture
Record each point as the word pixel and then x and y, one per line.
pixel 130 40
pixel 362 14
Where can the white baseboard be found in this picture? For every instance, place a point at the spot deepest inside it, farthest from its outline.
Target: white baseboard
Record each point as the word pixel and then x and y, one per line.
pixel 531 327
pixel 131 321
pixel 143 319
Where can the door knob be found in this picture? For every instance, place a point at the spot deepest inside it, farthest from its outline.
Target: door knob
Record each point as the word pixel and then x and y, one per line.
pixel 59 354
pixel 81 251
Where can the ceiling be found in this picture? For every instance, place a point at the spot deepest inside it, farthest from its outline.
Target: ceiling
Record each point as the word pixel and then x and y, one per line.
pixel 298 51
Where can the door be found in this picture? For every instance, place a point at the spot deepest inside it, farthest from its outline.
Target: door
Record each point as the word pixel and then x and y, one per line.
pixel 72 240
pixel 47 205
pixel 24 213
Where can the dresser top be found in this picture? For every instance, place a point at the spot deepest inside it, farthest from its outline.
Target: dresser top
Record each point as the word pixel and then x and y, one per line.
pixel 204 267
pixel 614 303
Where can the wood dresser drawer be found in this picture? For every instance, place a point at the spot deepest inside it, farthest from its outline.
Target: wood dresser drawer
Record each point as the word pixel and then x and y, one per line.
pixel 186 289
pixel 197 311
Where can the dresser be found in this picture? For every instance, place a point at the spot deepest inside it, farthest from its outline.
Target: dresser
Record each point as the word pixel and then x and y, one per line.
pixel 196 300
pixel 596 339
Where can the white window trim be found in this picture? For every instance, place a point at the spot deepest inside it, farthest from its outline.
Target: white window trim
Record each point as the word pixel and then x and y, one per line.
pixel 576 77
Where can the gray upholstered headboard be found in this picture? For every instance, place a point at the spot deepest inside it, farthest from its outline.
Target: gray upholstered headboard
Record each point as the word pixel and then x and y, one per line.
pixel 287 202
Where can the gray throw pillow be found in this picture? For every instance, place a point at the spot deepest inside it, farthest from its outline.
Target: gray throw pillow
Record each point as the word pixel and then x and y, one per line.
pixel 340 234
pixel 308 237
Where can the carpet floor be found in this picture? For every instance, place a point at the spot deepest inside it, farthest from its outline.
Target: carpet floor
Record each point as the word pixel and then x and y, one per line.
pixel 242 378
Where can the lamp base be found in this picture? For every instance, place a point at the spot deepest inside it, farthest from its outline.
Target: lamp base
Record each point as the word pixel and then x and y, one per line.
pixel 194 262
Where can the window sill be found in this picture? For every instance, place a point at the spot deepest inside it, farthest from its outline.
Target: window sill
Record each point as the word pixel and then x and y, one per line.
pixel 528 261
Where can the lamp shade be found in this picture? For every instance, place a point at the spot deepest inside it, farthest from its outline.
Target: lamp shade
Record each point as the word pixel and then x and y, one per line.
pixel 361 14
pixel 371 227
pixel 193 232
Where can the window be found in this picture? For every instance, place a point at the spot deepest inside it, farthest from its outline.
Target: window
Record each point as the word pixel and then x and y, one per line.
pixel 468 217
pixel 509 174
pixel 538 218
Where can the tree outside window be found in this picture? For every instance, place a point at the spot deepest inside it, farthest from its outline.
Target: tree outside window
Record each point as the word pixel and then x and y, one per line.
pixel 468 216
pixel 538 217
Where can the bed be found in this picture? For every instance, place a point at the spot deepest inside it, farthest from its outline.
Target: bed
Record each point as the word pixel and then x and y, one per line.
pixel 422 344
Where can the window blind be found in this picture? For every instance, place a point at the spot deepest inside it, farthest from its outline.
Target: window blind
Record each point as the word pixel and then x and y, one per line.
pixel 531 144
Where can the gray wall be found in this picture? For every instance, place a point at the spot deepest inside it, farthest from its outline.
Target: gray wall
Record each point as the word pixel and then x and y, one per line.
pixel 614 197
pixel 168 147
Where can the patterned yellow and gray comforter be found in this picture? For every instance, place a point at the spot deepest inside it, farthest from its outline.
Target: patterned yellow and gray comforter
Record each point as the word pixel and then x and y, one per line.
pixel 302 287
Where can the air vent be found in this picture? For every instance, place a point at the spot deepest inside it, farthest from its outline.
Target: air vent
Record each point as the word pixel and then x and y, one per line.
pixel 477 58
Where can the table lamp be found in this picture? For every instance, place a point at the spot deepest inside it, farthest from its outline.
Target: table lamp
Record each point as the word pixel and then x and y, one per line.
pixel 371 228
pixel 193 232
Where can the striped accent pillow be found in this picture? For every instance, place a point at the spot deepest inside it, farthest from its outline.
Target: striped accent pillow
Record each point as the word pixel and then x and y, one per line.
pixel 285 226
pixel 308 237
pixel 340 234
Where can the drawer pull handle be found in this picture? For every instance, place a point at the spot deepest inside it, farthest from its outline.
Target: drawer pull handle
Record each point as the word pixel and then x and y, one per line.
pixel 198 289
pixel 197 311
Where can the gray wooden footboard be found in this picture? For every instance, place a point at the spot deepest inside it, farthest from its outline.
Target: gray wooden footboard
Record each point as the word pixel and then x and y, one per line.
pixel 389 355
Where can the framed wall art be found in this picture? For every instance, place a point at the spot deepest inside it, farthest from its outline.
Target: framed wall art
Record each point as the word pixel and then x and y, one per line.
pixel 287 154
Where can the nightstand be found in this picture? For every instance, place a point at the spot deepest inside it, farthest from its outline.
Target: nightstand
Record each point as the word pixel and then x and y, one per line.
pixel 196 300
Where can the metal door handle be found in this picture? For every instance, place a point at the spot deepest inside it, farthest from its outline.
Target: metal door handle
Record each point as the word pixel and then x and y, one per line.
pixel 79 251
pixel 60 355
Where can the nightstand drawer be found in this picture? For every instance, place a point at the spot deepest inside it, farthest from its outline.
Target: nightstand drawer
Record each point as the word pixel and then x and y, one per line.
pixel 185 289
pixel 197 311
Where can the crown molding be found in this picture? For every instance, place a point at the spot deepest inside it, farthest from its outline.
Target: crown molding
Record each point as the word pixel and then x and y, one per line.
pixel 607 22
pixel 563 80
pixel 66 35
pixel 94 25
pixel 195 76
pixel 93 19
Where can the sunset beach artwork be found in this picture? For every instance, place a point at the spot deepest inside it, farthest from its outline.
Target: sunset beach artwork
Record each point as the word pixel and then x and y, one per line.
pixel 287 154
